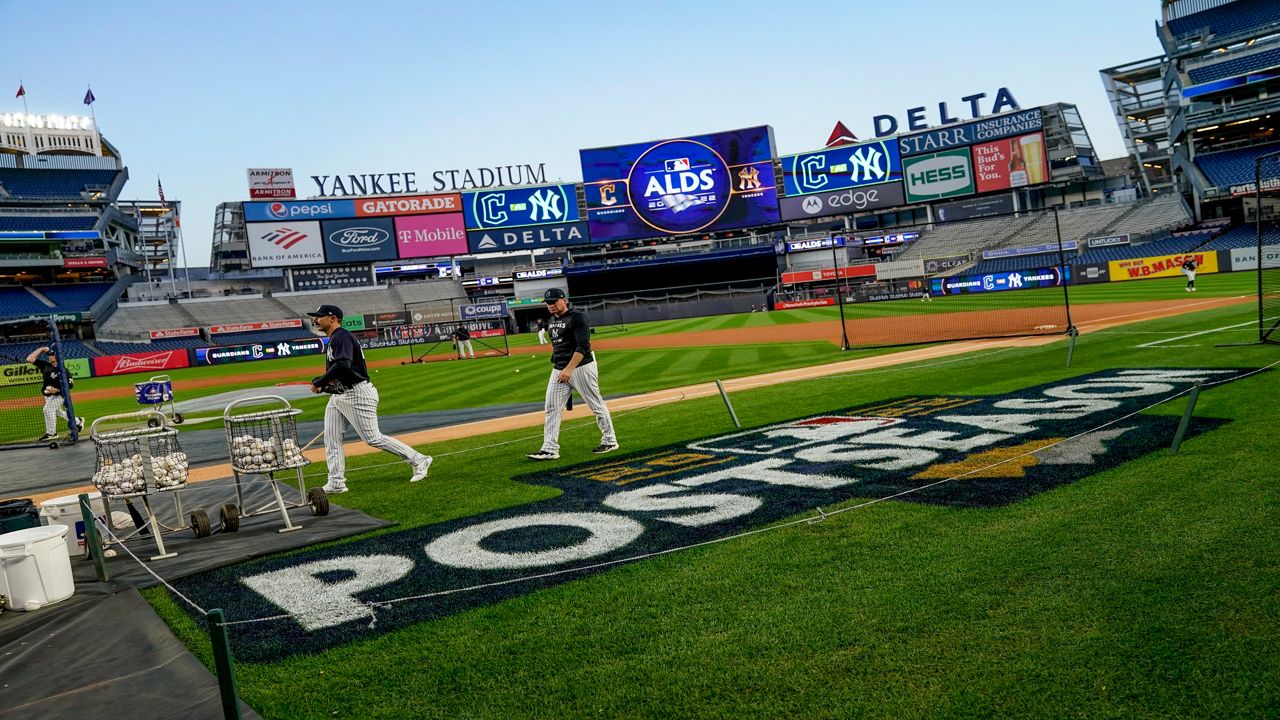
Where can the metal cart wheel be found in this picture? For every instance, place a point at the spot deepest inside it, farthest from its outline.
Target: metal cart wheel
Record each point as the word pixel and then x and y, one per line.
pixel 153 422
pixel 177 418
pixel 318 500
pixel 230 517
pixel 53 445
pixel 200 524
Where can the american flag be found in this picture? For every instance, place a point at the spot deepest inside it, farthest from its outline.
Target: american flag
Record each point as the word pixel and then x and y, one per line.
pixel 160 190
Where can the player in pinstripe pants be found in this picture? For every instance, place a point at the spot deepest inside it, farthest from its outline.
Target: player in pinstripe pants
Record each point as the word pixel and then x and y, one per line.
pixel 573 367
pixel 352 399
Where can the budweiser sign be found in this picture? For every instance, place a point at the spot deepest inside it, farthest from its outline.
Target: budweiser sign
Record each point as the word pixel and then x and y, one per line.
pixel 251 326
pixel 140 362
pixel 175 333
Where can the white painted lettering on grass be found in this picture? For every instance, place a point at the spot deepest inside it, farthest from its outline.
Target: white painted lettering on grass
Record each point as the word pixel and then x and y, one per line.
pixel 316 603
pixel 462 547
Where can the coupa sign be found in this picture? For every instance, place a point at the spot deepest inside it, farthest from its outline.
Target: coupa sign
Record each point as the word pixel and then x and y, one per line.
pixel 697 492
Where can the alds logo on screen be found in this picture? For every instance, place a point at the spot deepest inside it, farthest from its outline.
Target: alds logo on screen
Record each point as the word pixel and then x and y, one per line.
pixel 680 186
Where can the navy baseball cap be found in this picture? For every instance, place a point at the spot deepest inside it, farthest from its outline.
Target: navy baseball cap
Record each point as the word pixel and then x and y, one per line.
pixel 323 310
pixel 552 295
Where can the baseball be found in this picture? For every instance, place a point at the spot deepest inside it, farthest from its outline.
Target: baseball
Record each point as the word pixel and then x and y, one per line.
pixel 517 369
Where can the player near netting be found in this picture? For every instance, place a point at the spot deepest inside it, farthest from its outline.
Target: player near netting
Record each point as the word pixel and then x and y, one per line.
pixel 55 406
pixel 353 399
pixel 1189 269
pixel 573 367
pixel 462 340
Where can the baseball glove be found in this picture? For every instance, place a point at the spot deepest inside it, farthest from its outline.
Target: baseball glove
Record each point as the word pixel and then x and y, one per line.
pixel 333 387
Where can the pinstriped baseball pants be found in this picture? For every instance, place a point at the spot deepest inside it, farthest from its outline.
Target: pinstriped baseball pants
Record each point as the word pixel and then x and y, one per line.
pixel 359 406
pixel 586 380
pixel 54 407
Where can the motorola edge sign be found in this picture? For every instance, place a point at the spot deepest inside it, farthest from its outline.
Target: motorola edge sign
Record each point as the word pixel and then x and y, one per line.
pixel 707 182
pixel 840 202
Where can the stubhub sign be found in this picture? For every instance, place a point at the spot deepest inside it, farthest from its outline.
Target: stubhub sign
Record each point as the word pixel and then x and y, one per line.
pixel 277 210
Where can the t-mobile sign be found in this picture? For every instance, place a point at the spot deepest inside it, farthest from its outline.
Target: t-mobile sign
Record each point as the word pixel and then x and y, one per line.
pixel 419 236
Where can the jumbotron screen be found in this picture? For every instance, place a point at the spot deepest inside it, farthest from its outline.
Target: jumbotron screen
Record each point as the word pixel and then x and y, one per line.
pixel 672 187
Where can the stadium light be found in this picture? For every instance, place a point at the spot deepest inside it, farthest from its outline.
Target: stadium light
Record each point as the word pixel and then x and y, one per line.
pixel 835 263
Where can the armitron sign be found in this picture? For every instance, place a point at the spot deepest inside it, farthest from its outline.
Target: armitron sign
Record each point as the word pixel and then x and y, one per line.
pixel 1002 449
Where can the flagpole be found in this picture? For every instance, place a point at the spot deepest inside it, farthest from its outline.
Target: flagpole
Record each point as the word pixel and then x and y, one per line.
pixel 23 86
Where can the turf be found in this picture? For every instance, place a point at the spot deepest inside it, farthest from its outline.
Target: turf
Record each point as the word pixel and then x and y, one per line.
pixel 1149 591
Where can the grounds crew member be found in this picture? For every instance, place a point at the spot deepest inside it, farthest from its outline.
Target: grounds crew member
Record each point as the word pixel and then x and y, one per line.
pixel 55 406
pixel 1189 269
pixel 573 368
pixel 353 399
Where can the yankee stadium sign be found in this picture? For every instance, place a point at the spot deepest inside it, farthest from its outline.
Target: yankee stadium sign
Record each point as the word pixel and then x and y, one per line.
pixel 967 451
pixel 395 183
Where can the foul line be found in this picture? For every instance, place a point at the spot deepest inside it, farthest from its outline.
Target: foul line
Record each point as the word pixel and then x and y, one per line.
pixel 1157 343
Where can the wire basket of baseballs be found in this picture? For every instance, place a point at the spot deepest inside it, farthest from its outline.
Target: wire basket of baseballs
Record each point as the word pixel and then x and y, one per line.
pixel 136 461
pixel 264 441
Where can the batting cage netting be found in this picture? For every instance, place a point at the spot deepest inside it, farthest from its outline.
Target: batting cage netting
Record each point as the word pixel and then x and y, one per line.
pixel 1264 213
pixel 32 415
pixel 454 327
pixel 993 277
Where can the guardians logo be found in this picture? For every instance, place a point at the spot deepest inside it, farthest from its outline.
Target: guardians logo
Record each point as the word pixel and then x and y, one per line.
pixel 1001 449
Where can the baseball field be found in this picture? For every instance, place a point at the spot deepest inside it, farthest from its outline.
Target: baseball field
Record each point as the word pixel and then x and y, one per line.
pixel 1071 569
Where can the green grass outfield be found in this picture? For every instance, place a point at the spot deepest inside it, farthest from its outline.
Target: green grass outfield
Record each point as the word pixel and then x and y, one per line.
pixel 453 385
pixel 1147 591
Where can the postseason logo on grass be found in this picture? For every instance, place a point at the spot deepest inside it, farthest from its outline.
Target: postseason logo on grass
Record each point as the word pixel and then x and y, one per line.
pixel 625 508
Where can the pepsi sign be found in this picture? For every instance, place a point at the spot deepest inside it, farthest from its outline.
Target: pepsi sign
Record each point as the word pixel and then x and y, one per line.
pixel 362 240
pixel 672 187
pixel 843 167
pixel 519 207
pixel 278 210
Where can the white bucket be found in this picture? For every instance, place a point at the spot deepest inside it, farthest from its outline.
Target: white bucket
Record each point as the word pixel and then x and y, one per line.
pixel 35 569
pixel 66 511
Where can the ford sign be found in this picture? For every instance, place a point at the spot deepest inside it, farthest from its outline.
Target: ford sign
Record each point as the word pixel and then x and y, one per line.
pixel 363 240
pixel 360 237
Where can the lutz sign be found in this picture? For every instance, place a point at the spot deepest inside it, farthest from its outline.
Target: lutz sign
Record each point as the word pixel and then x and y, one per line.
pixel 1001 449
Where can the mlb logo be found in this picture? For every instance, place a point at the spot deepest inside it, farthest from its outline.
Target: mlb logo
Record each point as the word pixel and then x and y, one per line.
pixel 677 164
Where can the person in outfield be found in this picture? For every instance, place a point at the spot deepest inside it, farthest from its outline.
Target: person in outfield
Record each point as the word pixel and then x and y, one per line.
pixel 573 367
pixel 353 399
pixel 55 406
pixel 1189 269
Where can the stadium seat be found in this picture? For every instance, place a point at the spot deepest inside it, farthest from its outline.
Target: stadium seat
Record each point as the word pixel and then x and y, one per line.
pixel 1235 66
pixel 47 222
pixel 53 184
pixel 1232 167
pixel 1230 19
pixel 17 302
pixel 74 298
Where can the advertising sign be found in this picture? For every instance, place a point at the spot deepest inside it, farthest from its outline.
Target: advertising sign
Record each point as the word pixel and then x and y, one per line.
pixel 386 319
pixel 993 128
pixel 1247 258
pixel 298 210
pixel 940 175
pixel 84 262
pixel 933 266
pixel 840 202
pixel 538 274
pixel 1029 250
pixel 285 244
pixel 353 322
pixel 1162 266
pixel 140 362
pixel 407 205
pixel 359 241
pixel 175 333
pixel 419 236
pixel 974 208
pixel 798 304
pixel 670 187
pixel 478 311
pixel 815 244
pixel 853 271
pixel 526 238
pixel 847 166
pixel 259 351
pixel 1091 273
pixel 998 282
pixel 899 269
pixel 330 277
pixel 889 239
pixel 78 367
pixel 1010 163
pixel 519 207
pixel 254 326
pixel 1108 241
pixel 271 183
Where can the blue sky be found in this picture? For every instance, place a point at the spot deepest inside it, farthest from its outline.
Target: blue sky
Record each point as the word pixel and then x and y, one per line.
pixel 198 92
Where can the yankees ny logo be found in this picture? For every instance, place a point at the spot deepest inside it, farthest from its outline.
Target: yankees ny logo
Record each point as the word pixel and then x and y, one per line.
pixel 546 202
pixel 867 161
pixel 748 178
